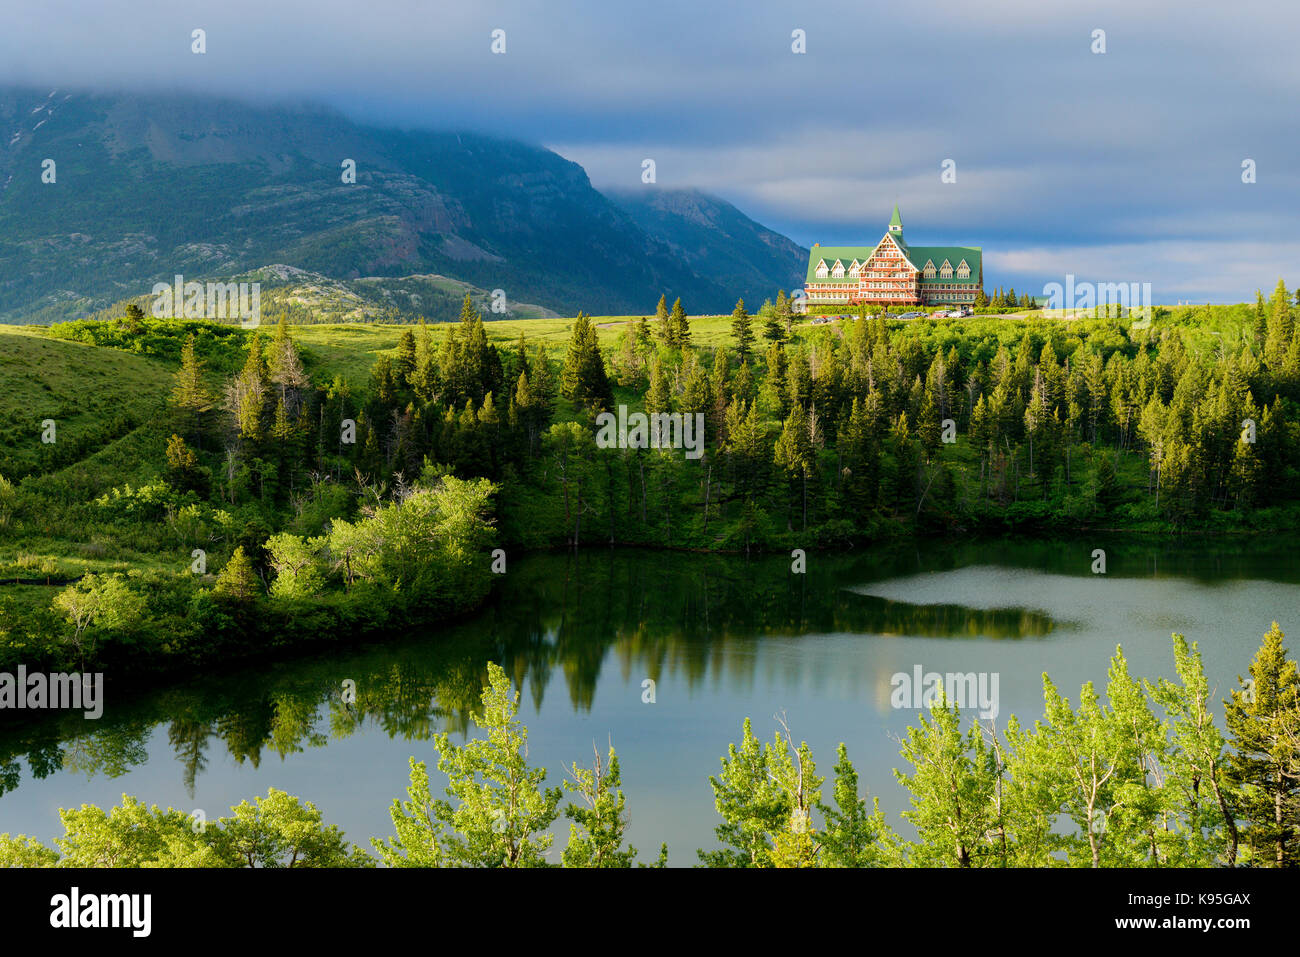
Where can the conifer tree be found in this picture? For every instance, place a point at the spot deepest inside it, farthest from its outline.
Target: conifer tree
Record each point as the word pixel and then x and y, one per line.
pixel 741 330
pixel 1263 718
pixel 680 326
pixel 424 378
pixel 1259 321
pixel 285 369
pixel 658 397
pixel 584 380
pixel 246 396
pixel 189 394
pixel 238 579
pixel 1280 327
pixel 663 329
pixel 784 313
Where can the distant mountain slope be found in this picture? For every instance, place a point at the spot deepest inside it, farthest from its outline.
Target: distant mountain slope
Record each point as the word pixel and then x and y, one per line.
pixel 717 240
pixel 311 297
pixel 151 186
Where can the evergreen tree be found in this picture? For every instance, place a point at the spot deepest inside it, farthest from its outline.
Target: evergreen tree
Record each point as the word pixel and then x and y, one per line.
pixel 680 334
pixel 404 362
pixel 784 313
pixel 189 394
pixel 584 380
pixel 663 329
pixel 286 370
pixel 238 579
pixel 246 396
pixel 424 379
pixel 1280 327
pixel 741 330
pixel 1263 718
pixel 794 456
pixel 773 331
pixel 1260 321
pixel 658 398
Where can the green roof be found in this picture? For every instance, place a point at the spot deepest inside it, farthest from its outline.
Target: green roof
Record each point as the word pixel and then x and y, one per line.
pixel 846 254
pixel 954 254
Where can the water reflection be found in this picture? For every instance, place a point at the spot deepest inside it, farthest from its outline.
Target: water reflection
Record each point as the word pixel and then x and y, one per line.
pixel 561 616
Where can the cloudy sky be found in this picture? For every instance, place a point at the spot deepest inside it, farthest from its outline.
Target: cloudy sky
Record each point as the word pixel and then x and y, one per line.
pixel 1123 166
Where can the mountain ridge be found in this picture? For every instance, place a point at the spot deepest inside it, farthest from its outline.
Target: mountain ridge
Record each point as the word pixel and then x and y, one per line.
pixel 147 186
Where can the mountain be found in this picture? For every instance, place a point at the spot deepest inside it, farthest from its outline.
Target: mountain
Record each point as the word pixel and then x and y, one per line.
pixel 150 186
pixel 717 240
pixel 307 297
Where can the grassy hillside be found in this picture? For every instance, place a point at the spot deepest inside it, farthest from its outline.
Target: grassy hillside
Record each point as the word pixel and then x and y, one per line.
pixel 350 349
pixel 98 398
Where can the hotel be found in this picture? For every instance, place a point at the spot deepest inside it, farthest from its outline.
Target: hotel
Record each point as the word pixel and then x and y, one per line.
pixel 894 273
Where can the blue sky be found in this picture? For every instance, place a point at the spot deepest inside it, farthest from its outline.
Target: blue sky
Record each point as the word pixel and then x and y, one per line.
pixel 1117 167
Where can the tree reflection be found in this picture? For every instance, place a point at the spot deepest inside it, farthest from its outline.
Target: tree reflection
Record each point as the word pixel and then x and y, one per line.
pixel 554 617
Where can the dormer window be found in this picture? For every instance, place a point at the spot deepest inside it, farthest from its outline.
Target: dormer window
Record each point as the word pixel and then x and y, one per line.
pixel 855 269
pixel 929 269
pixel 838 271
pixel 945 271
pixel 963 270
pixel 822 271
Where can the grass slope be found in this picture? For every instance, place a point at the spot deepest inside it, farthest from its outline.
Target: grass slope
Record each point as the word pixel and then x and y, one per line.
pixel 96 397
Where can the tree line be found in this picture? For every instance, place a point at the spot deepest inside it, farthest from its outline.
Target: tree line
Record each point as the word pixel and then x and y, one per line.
pixel 299 493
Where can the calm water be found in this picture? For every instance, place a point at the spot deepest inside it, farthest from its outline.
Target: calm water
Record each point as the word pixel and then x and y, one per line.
pixel 722 638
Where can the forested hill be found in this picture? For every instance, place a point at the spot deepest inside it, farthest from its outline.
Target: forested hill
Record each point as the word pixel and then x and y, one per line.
pixel 147 187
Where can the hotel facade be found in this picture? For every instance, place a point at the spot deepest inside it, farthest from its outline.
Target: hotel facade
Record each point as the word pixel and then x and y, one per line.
pixel 894 273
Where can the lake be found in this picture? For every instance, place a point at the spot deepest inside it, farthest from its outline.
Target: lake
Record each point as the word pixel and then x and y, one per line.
pixel 721 638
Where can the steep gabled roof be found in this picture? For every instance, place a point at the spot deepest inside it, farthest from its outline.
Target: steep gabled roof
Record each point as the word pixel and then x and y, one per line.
pixel 954 255
pixel 830 254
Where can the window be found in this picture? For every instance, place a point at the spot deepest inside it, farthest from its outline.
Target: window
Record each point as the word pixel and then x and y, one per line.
pixel 838 271
pixel 822 271
pixel 929 269
pixel 963 270
pixel 945 271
